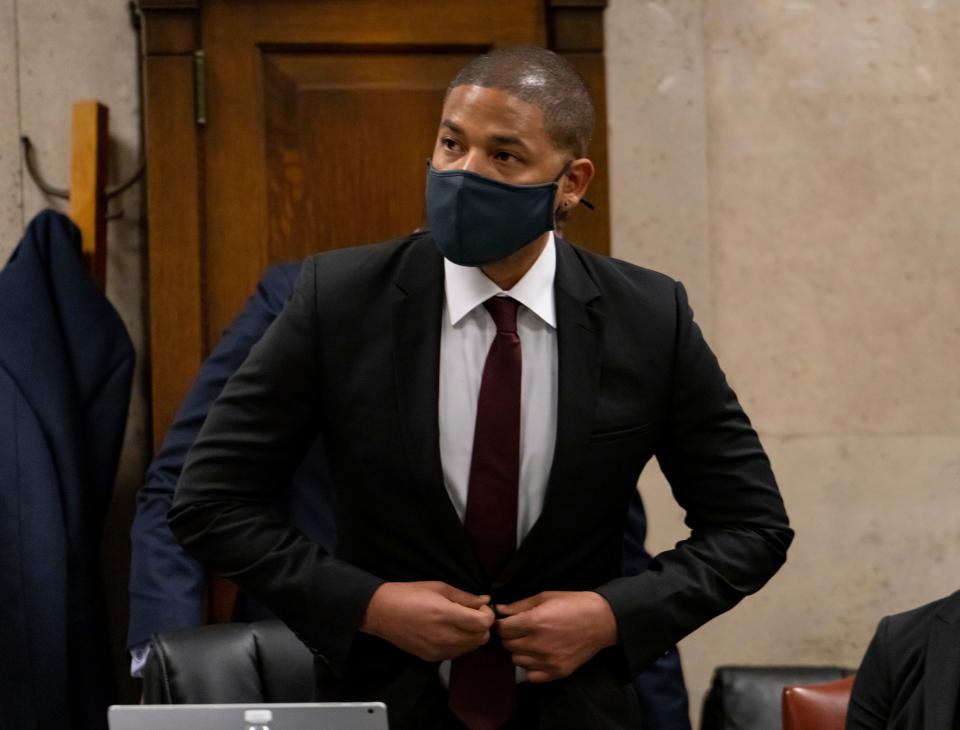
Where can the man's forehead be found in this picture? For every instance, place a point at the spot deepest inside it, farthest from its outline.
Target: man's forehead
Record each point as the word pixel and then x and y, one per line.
pixel 498 112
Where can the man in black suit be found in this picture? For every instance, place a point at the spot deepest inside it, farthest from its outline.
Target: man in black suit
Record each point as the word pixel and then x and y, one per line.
pixel 910 676
pixel 487 413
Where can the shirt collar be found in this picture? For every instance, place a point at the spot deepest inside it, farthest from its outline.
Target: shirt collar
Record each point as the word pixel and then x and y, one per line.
pixel 467 287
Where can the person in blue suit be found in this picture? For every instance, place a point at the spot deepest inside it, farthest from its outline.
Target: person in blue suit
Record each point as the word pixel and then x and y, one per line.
pixel 166 585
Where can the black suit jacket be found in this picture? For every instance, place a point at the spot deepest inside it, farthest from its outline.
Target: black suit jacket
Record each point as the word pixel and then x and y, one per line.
pixel 355 355
pixel 910 676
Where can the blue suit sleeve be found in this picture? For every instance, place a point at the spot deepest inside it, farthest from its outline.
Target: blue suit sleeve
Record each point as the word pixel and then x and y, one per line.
pixel 166 585
pixel 661 690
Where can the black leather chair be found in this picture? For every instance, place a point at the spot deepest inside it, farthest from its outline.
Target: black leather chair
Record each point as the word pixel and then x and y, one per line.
pixel 228 663
pixel 749 698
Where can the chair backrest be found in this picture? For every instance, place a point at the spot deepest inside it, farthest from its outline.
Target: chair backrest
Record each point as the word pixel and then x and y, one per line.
pixel 748 698
pixel 229 663
pixel 817 706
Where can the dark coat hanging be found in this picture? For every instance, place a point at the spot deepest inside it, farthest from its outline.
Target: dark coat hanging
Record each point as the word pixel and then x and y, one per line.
pixel 66 363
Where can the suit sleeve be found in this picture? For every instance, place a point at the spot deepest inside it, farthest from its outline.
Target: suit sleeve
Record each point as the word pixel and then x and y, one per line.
pixel 721 477
pixel 166 584
pixel 872 692
pixel 249 447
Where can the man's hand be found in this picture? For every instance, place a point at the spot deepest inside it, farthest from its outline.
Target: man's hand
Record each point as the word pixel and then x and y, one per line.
pixel 429 619
pixel 553 633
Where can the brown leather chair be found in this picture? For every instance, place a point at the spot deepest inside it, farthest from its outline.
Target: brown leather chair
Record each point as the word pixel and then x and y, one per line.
pixel 817 706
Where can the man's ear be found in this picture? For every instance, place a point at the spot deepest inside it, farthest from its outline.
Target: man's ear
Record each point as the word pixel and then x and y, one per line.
pixel 575 183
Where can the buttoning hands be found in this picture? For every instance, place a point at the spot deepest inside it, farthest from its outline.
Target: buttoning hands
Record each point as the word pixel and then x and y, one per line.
pixel 553 633
pixel 429 619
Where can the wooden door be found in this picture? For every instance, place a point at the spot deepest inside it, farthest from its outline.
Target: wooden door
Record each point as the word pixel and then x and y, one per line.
pixel 277 128
pixel 309 130
pixel 320 116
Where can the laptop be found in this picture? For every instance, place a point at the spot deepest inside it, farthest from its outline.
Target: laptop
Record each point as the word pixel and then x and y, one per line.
pixel 265 716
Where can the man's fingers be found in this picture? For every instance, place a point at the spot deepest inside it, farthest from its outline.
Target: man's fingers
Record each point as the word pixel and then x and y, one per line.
pixel 469 619
pixel 514 627
pixel 479 639
pixel 527 662
pixel 536 676
pixel 511 609
pixel 537 669
pixel 524 647
pixel 462 597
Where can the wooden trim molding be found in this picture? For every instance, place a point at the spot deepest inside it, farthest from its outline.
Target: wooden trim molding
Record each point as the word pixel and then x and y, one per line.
pixel 149 5
pixel 172 144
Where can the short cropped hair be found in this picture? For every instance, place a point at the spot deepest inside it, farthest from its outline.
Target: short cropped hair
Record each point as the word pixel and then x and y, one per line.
pixel 544 79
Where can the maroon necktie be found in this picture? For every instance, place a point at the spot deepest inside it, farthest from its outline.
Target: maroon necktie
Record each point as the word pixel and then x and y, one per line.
pixel 483 693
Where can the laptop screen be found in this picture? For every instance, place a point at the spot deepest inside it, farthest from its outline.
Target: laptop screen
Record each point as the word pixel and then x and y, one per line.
pixel 265 716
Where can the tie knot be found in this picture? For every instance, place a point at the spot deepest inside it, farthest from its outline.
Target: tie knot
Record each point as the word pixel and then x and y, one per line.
pixel 504 313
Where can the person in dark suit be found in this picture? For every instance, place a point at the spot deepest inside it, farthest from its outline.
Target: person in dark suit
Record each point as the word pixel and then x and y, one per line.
pixel 488 395
pixel 909 678
pixel 166 584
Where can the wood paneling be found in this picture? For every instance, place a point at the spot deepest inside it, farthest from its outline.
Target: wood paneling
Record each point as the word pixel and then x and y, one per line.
pixel 320 118
pixel 362 121
pixel 173 213
pixel 576 32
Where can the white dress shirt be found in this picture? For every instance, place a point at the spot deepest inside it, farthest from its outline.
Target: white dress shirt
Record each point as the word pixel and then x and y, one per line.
pixel 465 338
pixel 467 333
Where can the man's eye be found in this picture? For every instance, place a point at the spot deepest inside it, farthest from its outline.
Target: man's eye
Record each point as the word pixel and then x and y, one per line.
pixel 505 157
pixel 448 144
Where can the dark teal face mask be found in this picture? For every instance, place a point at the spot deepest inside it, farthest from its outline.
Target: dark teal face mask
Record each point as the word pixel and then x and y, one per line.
pixel 476 220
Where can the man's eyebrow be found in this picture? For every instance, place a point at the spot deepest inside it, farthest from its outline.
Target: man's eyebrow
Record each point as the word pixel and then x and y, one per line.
pixel 509 139
pixel 498 138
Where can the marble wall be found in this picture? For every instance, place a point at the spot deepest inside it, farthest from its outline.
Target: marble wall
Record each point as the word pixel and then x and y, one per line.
pixel 795 163
pixel 53 53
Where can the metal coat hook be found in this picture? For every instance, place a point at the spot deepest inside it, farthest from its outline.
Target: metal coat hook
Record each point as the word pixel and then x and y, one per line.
pixel 64 193
pixel 35 175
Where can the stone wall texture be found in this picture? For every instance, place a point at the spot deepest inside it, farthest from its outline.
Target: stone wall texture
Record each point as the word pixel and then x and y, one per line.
pixel 795 163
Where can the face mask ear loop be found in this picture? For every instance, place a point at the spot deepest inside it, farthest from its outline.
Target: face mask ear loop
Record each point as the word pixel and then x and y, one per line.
pixel 583 201
pixel 556 211
pixel 557 219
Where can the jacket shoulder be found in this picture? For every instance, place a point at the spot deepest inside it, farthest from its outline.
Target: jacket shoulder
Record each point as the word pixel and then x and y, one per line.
pixel 902 637
pixel 911 627
pixel 344 271
pixel 608 271
pixel 626 287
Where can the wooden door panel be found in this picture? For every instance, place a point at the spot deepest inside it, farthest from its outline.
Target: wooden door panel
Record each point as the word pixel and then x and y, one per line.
pixel 320 119
pixel 397 22
pixel 347 139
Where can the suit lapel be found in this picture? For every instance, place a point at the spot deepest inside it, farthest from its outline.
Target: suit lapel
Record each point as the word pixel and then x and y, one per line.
pixel 417 321
pixel 579 360
pixel 941 676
